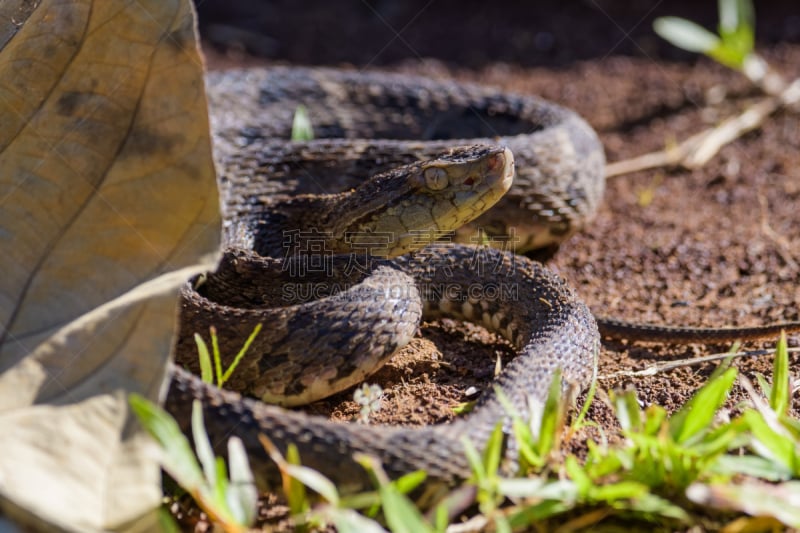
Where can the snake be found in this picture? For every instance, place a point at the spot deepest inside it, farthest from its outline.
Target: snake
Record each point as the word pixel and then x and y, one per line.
pixel 414 200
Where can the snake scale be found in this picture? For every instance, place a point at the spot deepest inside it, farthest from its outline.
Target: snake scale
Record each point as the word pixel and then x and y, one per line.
pixel 326 243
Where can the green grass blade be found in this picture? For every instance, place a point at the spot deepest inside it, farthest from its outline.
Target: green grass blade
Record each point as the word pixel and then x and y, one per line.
pixel 766 387
pixel 521 487
pixel 578 422
pixel 781 396
pixel 737 18
pixel 698 413
pixel 650 504
pixel 242 495
pixel 401 515
pixel 179 459
pixel 410 481
pixel 440 518
pixel 202 445
pixel 525 518
pixel 452 505
pixel 772 445
pixel 622 490
pixel 578 475
pixel 464 408
pixel 603 460
pixel 349 521
pixel 726 363
pixel 686 34
pixel 204 357
pixel 552 417
pixel 526 442
pixel 626 407
pixel 166 522
pixel 654 418
pixel 239 355
pixel 216 353
pixel 493 453
pixel 792 425
pixel 734 13
pixel 730 53
pixel 301 125
pixel 220 487
pixel 314 481
pixel 750 465
pixel 474 459
pixel 737 30
pixel 501 524
pixel 552 498
pixel 307 476
pixel 294 490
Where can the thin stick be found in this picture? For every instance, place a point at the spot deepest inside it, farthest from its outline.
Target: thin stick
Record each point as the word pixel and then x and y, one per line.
pixel 699 148
pixel 672 365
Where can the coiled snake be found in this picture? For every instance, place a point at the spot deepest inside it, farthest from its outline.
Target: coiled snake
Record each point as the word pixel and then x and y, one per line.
pixel 328 274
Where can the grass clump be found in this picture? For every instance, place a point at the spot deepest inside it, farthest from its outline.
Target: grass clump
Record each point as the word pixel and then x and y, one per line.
pixel 696 466
pixel 229 500
pixel 732 45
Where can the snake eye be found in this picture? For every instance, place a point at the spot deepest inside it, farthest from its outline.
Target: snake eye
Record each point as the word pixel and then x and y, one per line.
pixel 435 178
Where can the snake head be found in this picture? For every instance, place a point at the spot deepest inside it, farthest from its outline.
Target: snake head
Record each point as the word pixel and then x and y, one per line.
pixel 414 205
pixel 474 171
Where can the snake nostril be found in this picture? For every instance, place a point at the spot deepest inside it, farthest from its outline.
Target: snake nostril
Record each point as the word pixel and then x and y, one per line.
pixel 469 182
pixel 495 162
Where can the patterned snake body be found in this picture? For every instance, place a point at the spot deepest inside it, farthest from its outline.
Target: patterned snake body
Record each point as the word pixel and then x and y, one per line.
pixel 553 330
pixel 340 323
pixel 368 123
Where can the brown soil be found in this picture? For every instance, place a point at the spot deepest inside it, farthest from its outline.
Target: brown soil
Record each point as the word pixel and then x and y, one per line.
pixel 709 247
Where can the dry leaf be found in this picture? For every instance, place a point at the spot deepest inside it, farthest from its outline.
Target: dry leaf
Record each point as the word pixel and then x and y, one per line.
pixel 108 203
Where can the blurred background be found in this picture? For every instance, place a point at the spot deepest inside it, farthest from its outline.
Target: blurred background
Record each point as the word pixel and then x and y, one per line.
pixel 467 33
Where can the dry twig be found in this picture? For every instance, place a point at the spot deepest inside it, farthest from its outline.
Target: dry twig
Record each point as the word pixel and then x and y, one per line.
pixel 698 149
pixel 672 365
